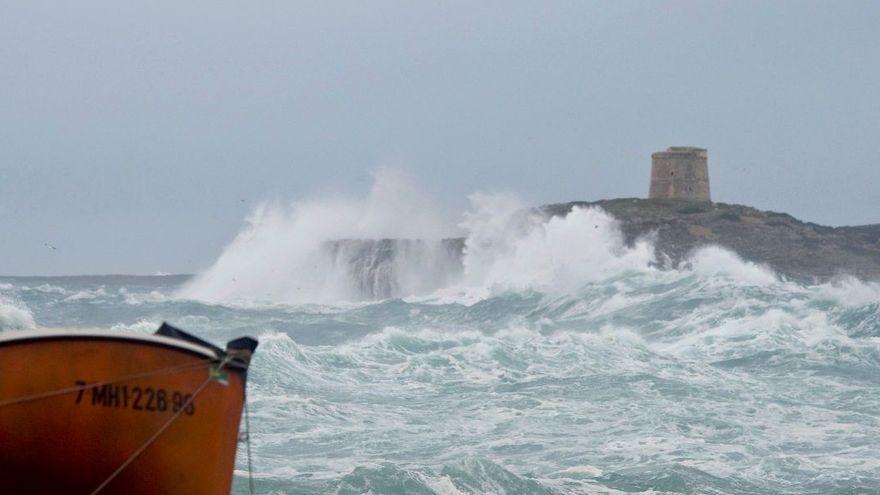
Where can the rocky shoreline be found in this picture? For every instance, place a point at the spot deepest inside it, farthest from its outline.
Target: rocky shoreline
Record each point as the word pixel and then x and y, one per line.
pixel 797 250
pixel 800 251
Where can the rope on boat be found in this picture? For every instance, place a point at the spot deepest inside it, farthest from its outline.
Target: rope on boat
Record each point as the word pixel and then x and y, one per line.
pixel 77 388
pixel 159 432
pixel 247 424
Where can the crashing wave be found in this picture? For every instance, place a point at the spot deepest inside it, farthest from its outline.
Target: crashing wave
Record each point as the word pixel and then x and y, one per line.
pixel 15 316
pixel 392 245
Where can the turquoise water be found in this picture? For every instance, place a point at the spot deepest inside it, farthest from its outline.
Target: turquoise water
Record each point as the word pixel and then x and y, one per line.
pixel 636 380
pixel 545 356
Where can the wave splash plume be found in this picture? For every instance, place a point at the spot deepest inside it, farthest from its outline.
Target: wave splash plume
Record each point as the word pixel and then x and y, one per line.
pixel 303 252
pixel 14 315
pixel 391 244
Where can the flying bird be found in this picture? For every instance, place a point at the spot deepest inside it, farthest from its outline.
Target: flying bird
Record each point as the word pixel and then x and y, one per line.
pixel 53 248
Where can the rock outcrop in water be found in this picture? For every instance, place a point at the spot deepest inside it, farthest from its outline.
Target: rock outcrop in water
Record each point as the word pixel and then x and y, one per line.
pixel 797 250
pixel 382 268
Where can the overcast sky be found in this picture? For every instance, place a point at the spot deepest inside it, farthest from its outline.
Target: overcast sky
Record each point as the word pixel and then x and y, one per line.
pixel 131 131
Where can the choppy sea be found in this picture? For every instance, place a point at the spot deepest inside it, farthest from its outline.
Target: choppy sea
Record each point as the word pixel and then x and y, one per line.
pixel 590 371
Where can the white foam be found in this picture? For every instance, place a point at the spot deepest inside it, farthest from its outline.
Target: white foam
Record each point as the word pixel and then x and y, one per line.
pixel 557 255
pixel 850 292
pixel 592 471
pixel 712 261
pixel 51 289
pixel 15 315
pixel 141 326
pixel 441 485
pixel 87 295
pixel 139 298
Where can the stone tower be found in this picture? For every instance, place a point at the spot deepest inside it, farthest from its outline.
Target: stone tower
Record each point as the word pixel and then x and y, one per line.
pixel 680 172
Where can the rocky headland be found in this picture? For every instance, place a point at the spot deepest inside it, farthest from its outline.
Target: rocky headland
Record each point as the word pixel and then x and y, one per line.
pixel 797 250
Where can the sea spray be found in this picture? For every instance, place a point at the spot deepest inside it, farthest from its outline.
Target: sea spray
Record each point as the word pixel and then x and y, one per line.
pixel 285 253
pixel 511 250
pixel 310 254
pixel 14 315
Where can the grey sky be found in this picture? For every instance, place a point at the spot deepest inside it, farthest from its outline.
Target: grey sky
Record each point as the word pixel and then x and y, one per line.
pixel 130 131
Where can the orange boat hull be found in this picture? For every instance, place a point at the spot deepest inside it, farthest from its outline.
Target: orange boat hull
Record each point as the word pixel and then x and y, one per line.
pixel 73 441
